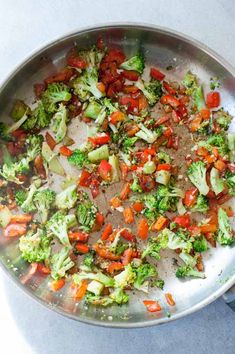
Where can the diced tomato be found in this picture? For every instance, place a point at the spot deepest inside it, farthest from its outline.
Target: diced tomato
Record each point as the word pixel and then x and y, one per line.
pixel 105 253
pixel 190 197
pixel 85 179
pixel 50 141
pixel 99 219
pixel 78 236
pixel 104 170
pixel 80 290
pixel 169 299
pixel 128 216
pixel 125 191
pixel 143 103
pixel 56 285
pixel 62 76
pixel 164 167
pixel 168 132
pixel 170 100
pixel 201 151
pixel 196 122
pixel 168 88
pixel 94 187
pixel 101 87
pixel 147 183
pixel 220 165
pixel 205 113
pixel 208 228
pixel 162 120
pixel 127 235
pixel 116 117
pixel 194 230
pixel 223 198
pixel 137 206
pixel 114 266
pixel 100 43
pixel 131 103
pixel 75 61
pixel 156 74
pixel 130 89
pixel 124 170
pixel 101 139
pixel 15 230
pixel 115 202
pixel 160 223
pixel 130 75
pixel 182 220
pixel 115 55
pixel 213 99
pixel 39 166
pixel 43 269
pixel 65 151
pixel 127 256
pixel 81 248
pixel 142 228
pixel 182 111
pixel 114 88
pixel 21 219
pixel 152 306
pixel 106 232
pixel 39 89
pixel 176 116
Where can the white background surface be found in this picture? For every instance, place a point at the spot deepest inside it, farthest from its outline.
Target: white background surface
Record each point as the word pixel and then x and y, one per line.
pixel 25 326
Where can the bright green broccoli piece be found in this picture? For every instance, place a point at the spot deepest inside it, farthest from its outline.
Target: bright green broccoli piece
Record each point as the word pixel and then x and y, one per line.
pixel 165 199
pixel 225 233
pixel 93 110
pixel 197 175
pixel 125 278
pixel 43 200
pixel 86 213
pixel 34 146
pixel 152 249
pixel 190 81
pixel 60 263
pixel 159 283
pixel 198 97
pixel 58 123
pixel 217 183
pixel 97 300
pixel 67 198
pixel 86 84
pixel 223 119
pixel 20 196
pixel 37 119
pixel 119 296
pixel 18 110
pixel 152 90
pixel 88 261
pixel 59 224
pixel 135 63
pixel 4 135
pixel 100 277
pixel 55 93
pixel 230 182
pixel 200 244
pixel 25 198
pixel 214 83
pixel 135 186
pixel 146 134
pixel 172 240
pixel 201 204
pixel 128 143
pixel 186 271
pixel 6 156
pixel 35 246
pixel 144 272
pixel 78 158
pixel 218 141
pixel 10 172
pixel 92 56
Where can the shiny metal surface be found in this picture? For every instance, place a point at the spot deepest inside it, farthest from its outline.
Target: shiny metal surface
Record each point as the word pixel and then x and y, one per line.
pixel 161 48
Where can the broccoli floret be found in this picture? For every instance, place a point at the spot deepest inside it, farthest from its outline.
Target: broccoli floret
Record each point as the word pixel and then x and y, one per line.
pixel 144 272
pixel 189 260
pixel 128 143
pixel 166 198
pixel 58 123
pixel 152 90
pixel 135 186
pixel 27 204
pixel 119 296
pixel 200 244
pixel 86 85
pixel 218 141
pixel 93 110
pixel 92 56
pixel 225 233
pixel 10 172
pixel 4 135
pixel 135 63
pixel 55 93
pixel 201 204
pixel 125 278
pixel 164 157
pixel 217 183
pixel 88 260
pixel 146 134
pixel 152 249
pixel 34 146
pixel 197 175
pixel 78 158
pixel 38 119
pixel 86 213
pixel 43 200
pixel 198 97
pixel 214 83
pixel 186 271
pixel 35 246
pixel 223 119
pixel 97 300
pixel 230 182
pixel 59 224
pixel 67 198
pixel 20 196
pixel 159 283
pixel 190 81
pixel 100 277
pixel 169 239
pixel 60 263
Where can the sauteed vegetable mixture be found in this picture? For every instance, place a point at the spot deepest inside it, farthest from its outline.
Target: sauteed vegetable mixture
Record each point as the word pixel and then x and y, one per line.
pixel 163 148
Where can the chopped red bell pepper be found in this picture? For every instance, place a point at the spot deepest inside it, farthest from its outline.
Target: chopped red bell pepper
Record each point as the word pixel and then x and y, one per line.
pixel 104 170
pixel 213 99
pixel 130 75
pixel 182 220
pixel 190 197
pixel 85 179
pixel 168 88
pixel 101 139
pixel 65 151
pixel 170 100
pixel 156 74
pixel 152 306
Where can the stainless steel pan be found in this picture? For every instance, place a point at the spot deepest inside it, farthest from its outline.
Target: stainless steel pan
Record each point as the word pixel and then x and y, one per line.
pixel 162 48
